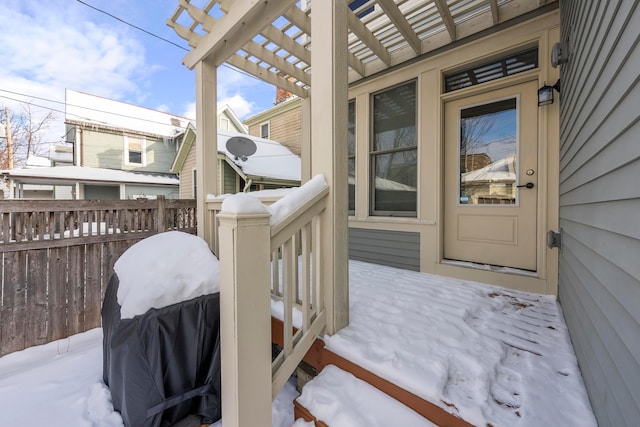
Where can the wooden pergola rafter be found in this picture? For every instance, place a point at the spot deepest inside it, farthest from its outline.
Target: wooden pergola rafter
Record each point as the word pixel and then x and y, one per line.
pixel 271 39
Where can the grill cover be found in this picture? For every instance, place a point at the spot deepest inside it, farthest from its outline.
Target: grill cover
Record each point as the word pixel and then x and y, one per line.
pixel 165 364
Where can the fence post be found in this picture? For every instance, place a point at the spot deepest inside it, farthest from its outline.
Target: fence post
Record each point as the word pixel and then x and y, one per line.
pixel 161 216
pixel 245 327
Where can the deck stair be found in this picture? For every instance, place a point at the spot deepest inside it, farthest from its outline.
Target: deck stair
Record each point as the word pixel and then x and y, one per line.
pixel 319 357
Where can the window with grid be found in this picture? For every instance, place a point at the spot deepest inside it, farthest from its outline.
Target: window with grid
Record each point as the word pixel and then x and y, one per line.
pixel 394 152
pixel 351 152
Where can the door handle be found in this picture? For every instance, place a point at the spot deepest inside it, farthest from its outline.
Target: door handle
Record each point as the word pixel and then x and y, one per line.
pixel 527 185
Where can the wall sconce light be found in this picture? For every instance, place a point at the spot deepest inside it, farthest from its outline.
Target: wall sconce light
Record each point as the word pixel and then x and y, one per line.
pixel 545 93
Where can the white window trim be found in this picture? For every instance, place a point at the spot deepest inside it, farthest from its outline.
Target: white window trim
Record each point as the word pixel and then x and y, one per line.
pixel 126 152
pixel 268 123
pixel 227 125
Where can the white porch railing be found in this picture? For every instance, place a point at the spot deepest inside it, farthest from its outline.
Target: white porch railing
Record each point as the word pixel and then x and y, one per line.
pixel 262 264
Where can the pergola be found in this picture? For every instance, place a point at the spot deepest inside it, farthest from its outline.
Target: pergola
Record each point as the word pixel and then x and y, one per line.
pixel 316 51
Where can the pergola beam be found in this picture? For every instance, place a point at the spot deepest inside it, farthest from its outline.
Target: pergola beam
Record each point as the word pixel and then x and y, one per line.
pixel 494 11
pixel 368 38
pixel 445 14
pixel 266 75
pixel 287 43
pixel 245 19
pixel 397 18
pixel 271 58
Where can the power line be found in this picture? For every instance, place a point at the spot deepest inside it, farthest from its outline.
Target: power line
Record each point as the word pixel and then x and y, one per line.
pixel 161 38
pixel 106 112
pixel 132 25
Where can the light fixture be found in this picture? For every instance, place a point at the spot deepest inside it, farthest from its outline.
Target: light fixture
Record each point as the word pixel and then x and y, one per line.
pixel 545 93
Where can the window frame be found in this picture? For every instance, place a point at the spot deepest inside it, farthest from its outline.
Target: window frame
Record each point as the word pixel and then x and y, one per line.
pixel 374 154
pixel 268 125
pixel 352 212
pixel 143 151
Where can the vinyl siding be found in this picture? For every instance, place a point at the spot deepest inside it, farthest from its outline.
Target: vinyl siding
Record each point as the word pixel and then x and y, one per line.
pixel 394 248
pixel 230 179
pixel 103 149
pixel 186 175
pixel 599 279
pixel 286 128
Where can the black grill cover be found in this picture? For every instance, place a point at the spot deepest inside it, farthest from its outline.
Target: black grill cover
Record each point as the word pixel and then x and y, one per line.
pixel 164 365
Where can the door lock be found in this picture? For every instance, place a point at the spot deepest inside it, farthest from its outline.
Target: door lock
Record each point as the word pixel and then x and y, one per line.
pixel 527 185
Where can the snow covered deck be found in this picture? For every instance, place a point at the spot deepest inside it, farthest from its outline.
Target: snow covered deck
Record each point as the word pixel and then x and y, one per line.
pixel 493 356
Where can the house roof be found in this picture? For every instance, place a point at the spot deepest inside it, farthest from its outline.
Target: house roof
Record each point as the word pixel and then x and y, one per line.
pixel 280 108
pixel 102 112
pixel 271 160
pixel 50 175
pixel 272 40
pixel 231 115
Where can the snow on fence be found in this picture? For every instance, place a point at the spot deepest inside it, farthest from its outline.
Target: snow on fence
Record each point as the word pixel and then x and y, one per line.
pixel 56 258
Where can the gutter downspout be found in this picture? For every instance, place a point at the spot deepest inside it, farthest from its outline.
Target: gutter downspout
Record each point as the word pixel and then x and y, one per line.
pixel 247 186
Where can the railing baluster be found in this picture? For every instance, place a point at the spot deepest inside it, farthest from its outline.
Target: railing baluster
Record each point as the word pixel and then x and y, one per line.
pixel 306 245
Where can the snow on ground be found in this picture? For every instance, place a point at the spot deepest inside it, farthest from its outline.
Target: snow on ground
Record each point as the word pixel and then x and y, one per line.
pixel 165 269
pixel 488 354
pixel 60 385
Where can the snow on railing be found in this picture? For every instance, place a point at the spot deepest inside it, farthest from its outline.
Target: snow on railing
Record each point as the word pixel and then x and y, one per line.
pixel 267 254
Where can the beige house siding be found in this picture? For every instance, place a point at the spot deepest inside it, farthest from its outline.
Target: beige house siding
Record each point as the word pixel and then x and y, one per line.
pixel 542 31
pixel 285 124
pixel 599 283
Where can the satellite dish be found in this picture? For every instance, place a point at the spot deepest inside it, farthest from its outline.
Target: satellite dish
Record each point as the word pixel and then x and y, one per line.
pixel 241 147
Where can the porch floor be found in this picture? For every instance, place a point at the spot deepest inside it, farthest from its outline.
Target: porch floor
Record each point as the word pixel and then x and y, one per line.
pixel 489 355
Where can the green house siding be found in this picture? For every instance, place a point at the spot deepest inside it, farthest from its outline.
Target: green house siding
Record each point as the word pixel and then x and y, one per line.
pixel 104 149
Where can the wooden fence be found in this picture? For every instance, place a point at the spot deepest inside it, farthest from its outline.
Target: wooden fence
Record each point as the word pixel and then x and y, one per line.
pixel 57 256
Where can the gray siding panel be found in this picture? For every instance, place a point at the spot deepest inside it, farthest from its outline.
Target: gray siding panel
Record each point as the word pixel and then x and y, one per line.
pixel 230 179
pixel 394 248
pixel 599 278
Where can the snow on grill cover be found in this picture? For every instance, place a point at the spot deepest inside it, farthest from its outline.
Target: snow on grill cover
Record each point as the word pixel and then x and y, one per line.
pixel 161 323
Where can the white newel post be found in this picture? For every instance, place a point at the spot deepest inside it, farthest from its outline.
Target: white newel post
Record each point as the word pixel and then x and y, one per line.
pixel 245 313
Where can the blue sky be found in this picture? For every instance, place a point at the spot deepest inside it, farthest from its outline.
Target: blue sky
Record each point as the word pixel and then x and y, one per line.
pixel 56 44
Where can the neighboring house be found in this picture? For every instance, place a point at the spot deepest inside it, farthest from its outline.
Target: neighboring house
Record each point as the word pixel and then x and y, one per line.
pixel 282 123
pixel 430 82
pixel 271 166
pixel 228 120
pixel 85 183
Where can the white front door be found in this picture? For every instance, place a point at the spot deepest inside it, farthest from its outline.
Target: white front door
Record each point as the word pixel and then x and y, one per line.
pixel 491 177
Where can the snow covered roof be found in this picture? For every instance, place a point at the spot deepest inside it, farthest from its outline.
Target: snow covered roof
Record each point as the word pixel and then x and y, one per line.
pixel 501 171
pixel 81 173
pixel 99 111
pixel 37 161
pixel 61 153
pixel 271 159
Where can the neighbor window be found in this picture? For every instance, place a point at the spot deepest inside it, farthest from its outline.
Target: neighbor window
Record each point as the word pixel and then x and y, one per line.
pixel 224 123
pixel 135 150
pixel 195 184
pixel 394 152
pixel 351 152
pixel 264 130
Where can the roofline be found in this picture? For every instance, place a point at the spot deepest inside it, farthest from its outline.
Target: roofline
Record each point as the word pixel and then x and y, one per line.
pixel 280 108
pixel 117 130
pixel 234 118
pixel 183 152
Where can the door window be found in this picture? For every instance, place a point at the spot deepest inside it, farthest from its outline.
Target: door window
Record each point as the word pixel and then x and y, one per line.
pixel 488 153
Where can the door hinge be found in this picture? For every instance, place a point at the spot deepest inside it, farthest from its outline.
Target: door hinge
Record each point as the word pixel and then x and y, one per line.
pixel 554 239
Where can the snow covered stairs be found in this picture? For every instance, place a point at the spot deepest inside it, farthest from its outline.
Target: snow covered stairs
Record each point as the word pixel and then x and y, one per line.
pixel 342 399
pixel 364 386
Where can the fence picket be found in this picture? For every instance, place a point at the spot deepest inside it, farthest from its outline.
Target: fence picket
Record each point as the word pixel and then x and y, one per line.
pixel 57 294
pixel 36 307
pixel 12 314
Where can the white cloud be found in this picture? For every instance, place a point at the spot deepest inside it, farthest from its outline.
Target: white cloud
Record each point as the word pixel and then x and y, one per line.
pixel 47 48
